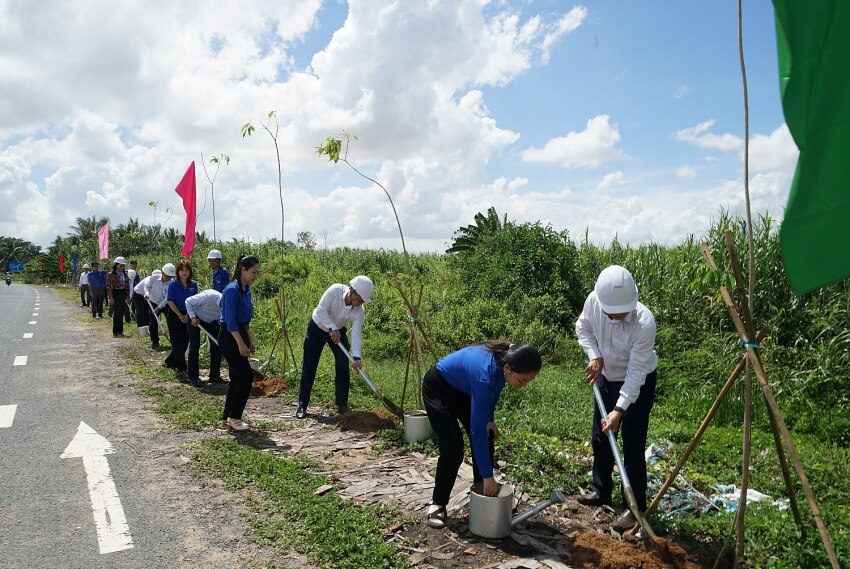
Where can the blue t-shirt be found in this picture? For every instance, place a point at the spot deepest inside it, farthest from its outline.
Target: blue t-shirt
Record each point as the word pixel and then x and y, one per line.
pixel 474 371
pixel 178 294
pixel 220 278
pixel 97 279
pixel 237 307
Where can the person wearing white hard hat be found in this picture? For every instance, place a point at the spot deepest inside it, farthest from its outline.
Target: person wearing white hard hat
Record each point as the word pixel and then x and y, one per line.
pixel 154 290
pixel 340 305
pixel 85 298
pixel 220 276
pixel 117 289
pixel 617 333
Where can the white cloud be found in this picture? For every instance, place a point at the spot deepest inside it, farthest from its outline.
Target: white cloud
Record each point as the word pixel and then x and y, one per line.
pixel 700 136
pixel 589 148
pixel 609 180
pixel 686 173
pixel 773 152
pixel 681 91
pixel 568 23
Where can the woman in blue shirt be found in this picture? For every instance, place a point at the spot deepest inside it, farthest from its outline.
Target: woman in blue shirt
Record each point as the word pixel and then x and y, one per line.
pixel 179 290
pixel 463 389
pixel 234 339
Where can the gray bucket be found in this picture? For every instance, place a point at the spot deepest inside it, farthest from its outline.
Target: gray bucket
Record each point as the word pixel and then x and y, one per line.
pixel 143 331
pixel 490 516
pixel 417 427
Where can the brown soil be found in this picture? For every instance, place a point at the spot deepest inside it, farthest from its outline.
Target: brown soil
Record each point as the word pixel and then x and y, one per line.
pixel 268 386
pixel 594 550
pixel 366 421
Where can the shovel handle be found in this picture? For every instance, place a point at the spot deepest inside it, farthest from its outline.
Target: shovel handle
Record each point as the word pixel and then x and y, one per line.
pixel 213 340
pixel 153 311
pixel 362 373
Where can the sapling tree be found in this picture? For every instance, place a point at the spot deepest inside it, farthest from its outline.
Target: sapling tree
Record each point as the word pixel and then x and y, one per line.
pixel 217 161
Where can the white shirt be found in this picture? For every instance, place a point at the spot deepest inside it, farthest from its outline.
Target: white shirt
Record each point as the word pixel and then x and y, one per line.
pixel 205 306
pixel 333 314
pixel 156 289
pixel 626 346
pixel 84 278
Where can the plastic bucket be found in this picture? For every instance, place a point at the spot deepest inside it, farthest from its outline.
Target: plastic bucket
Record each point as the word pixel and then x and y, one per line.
pixel 143 331
pixel 255 364
pixel 490 516
pixel 417 427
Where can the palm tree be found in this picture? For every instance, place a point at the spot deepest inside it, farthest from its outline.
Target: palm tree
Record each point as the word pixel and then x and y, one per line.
pixel 14 249
pixel 466 239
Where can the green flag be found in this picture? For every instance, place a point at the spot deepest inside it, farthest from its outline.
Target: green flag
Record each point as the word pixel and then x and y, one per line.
pixel 813 39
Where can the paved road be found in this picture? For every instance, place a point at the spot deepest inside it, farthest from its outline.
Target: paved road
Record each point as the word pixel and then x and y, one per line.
pixel 46 513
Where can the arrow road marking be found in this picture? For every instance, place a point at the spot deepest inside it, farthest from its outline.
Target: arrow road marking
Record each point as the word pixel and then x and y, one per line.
pixel 113 532
pixel 7 415
pixel 20 360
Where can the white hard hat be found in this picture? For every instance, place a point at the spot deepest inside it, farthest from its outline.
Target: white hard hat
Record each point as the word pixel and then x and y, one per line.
pixel 119 261
pixel 616 290
pixel 156 272
pixel 214 254
pixel 131 274
pixel 86 266
pixel 363 286
pixel 169 269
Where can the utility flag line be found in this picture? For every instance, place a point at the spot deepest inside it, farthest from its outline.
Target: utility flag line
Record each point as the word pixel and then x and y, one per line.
pixel 7 415
pixel 20 360
pixel 113 531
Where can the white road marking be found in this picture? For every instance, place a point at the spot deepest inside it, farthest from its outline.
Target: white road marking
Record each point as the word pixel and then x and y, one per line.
pixel 20 360
pixel 28 335
pixel 35 313
pixel 113 532
pixel 33 321
pixel 7 415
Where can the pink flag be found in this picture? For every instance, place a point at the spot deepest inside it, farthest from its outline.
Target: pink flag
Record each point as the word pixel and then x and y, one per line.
pixel 186 190
pixel 103 242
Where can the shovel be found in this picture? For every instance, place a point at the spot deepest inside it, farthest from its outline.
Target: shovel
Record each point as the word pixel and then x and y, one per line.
pixel 627 486
pixel 393 408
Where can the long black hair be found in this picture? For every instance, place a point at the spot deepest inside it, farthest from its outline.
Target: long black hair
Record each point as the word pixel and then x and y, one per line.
pixel 243 263
pixel 522 358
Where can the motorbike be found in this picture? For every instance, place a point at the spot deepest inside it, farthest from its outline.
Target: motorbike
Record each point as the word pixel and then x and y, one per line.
pixel 8 280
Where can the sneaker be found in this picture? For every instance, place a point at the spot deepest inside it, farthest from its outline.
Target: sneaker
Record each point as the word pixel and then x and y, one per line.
pixel 217 380
pixel 194 382
pixel 237 425
pixel 343 409
pixel 301 412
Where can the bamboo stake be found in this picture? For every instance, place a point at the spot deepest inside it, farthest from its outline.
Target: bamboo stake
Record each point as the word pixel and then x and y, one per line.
pixel 702 428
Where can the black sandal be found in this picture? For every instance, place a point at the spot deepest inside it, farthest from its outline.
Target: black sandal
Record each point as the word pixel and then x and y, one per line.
pixel 437 518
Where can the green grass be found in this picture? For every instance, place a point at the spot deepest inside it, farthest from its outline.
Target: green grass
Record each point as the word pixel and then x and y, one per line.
pixel 331 531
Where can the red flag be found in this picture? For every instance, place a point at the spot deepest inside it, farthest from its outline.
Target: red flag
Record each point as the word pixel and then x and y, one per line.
pixel 186 190
pixel 103 242
pixel 62 262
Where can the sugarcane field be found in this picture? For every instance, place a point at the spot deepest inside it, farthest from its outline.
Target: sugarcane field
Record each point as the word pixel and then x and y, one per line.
pixel 486 285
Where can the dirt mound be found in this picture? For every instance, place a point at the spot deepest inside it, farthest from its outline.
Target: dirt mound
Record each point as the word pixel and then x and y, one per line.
pixel 594 550
pixel 268 387
pixel 366 421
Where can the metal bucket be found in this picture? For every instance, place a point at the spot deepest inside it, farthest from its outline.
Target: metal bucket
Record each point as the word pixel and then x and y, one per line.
pixel 255 364
pixel 143 331
pixel 417 427
pixel 490 516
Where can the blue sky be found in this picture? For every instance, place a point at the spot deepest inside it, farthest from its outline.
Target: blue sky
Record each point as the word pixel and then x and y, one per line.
pixel 620 118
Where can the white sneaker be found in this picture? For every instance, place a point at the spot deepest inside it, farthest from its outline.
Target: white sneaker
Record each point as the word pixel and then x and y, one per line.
pixel 237 425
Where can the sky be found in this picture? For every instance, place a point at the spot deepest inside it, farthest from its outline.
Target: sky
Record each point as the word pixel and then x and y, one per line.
pixel 614 119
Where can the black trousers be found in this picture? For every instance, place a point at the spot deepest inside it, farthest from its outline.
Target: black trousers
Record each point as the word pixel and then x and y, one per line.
pixel 446 407
pixel 97 297
pixel 85 297
pixel 241 374
pixel 153 324
pixel 141 309
pixel 179 341
pixel 119 300
pixel 633 427
pixel 195 338
pixel 314 342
